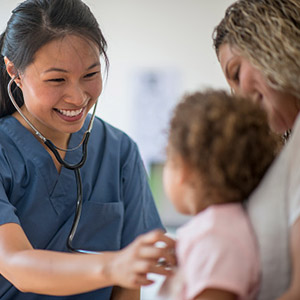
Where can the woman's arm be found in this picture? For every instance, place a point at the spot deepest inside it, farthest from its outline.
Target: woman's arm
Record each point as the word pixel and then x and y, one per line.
pixel 214 294
pixel 119 293
pixel 293 293
pixel 57 273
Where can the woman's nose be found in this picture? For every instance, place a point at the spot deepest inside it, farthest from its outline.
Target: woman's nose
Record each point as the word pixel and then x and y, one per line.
pixel 76 95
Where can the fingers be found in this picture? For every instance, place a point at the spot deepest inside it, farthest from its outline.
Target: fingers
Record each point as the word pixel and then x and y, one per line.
pixel 143 267
pixel 158 255
pixel 141 280
pixel 152 252
pixel 155 236
pixel 155 246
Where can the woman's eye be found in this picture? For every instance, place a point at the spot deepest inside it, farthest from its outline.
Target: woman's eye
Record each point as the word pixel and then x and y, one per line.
pixel 236 75
pixel 91 74
pixel 56 80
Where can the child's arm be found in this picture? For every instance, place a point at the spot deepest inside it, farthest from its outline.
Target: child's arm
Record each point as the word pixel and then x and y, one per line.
pixel 213 294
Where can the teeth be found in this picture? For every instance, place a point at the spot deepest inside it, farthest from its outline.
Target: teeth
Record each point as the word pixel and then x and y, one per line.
pixel 70 113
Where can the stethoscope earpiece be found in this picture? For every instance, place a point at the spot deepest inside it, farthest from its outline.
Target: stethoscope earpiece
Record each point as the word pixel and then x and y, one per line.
pixel 75 167
pixel 50 145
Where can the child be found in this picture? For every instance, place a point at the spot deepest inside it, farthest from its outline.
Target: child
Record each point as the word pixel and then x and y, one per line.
pixel 219 149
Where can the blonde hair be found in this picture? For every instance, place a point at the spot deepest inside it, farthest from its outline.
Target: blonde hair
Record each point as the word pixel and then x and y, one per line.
pixel 267 32
pixel 226 139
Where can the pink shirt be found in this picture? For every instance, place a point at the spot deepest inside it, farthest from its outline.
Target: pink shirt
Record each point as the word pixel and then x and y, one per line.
pixel 217 249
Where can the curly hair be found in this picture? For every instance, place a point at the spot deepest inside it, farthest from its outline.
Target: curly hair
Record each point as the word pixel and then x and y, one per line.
pixel 226 139
pixel 267 33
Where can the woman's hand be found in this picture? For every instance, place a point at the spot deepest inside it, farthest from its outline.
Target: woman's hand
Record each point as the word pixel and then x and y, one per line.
pixel 152 252
pixel 58 273
pixel 215 294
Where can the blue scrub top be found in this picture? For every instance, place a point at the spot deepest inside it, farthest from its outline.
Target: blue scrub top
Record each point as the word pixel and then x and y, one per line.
pixel 117 202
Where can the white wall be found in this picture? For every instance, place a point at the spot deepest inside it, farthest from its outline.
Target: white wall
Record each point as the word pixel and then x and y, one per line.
pixel 156 34
pixel 172 34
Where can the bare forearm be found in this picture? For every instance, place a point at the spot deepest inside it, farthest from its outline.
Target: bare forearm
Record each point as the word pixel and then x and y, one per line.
pixel 55 273
pixel 120 293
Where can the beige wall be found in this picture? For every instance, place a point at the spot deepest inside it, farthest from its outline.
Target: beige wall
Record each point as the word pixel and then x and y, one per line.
pixel 156 34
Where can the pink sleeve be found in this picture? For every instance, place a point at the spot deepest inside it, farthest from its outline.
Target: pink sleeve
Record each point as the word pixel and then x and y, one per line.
pixel 217 262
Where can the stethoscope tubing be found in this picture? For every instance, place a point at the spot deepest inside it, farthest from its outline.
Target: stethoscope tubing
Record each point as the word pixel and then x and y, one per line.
pixel 77 217
pixel 75 167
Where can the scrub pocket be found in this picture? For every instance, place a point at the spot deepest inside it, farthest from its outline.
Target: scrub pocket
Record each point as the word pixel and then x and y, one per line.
pixel 100 226
pixel 99 229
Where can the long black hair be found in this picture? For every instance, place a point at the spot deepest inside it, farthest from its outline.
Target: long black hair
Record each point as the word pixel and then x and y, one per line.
pixel 33 24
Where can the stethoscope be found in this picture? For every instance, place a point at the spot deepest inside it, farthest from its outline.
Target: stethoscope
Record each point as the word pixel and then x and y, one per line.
pixel 75 167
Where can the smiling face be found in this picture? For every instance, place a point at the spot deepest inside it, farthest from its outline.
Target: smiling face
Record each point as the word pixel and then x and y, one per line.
pixel 61 86
pixel 246 80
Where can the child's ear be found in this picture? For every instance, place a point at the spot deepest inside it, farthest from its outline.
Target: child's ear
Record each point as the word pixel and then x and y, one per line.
pixel 12 71
pixel 185 171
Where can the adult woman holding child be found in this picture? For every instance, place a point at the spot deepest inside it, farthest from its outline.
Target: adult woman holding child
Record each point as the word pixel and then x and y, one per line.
pixel 258 46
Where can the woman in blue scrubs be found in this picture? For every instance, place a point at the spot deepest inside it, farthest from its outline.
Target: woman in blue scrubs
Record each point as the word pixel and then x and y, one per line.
pixel 52 49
